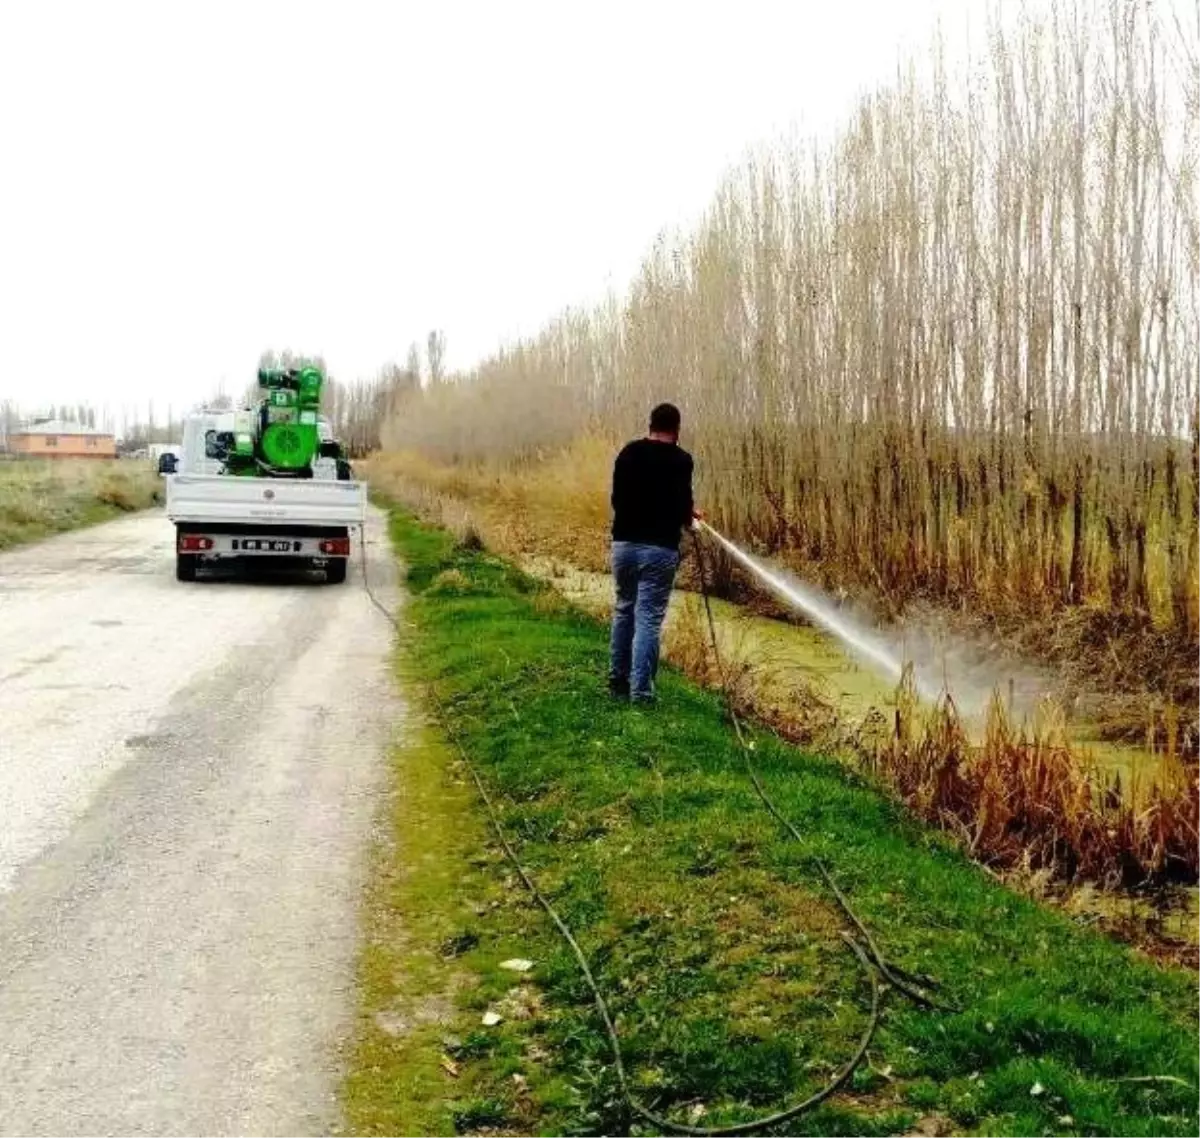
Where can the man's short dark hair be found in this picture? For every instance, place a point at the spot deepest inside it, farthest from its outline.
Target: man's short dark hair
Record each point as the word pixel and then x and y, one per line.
pixel 665 419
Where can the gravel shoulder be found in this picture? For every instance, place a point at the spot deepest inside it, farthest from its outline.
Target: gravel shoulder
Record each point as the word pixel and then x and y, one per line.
pixel 188 780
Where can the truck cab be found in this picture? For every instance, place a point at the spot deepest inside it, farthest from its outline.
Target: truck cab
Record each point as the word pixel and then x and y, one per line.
pixel 198 431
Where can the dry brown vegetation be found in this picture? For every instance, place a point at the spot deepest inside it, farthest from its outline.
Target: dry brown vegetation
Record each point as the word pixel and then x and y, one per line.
pixel 1022 797
pixel 557 506
pixel 952 358
pixel 38 498
pixel 953 355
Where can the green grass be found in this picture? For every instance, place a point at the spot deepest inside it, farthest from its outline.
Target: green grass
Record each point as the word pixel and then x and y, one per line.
pixel 40 497
pixel 423 894
pixel 716 947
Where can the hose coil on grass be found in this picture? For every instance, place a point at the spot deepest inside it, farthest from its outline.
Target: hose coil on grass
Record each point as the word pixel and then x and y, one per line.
pixel 870 959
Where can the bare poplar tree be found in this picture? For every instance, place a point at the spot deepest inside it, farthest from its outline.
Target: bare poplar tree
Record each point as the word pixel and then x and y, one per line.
pixel 413 364
pixel 435 354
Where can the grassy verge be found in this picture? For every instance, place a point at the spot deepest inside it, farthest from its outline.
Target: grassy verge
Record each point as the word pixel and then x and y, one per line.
pixel 718 951
pixel 40 498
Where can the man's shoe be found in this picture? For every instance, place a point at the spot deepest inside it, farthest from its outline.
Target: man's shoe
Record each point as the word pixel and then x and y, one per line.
pixel 618 689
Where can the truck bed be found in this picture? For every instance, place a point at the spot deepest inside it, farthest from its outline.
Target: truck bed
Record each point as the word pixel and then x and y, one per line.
pixel 213 499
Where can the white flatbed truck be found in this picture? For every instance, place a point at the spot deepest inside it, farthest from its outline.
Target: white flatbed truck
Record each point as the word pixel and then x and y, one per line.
pixel 305 522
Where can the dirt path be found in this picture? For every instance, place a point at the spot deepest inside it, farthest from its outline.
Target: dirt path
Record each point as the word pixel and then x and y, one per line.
pixel 188 776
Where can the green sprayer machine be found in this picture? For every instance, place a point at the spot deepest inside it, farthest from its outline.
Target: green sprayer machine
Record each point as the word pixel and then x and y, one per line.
pixel 280 436
pixel 267 481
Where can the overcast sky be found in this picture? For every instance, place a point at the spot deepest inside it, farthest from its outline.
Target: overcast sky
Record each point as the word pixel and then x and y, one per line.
pixel 185 185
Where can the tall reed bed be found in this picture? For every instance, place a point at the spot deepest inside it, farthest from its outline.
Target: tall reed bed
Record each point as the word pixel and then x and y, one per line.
pixel 1021 796
pixel 955 353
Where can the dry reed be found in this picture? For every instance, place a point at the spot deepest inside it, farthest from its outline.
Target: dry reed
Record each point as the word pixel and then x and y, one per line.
pixel 1023 797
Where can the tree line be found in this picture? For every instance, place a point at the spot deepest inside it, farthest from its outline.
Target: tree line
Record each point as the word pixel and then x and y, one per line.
pixel 356 408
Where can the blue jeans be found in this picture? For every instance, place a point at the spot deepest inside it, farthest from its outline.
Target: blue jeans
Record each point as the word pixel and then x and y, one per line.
pixel 644 575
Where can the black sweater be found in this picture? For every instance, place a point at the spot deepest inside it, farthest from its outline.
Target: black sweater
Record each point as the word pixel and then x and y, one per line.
pixel 651 493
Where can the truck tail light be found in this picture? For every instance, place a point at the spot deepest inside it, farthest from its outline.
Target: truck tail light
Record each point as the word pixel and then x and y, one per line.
pixel 335 546
pixel 194 543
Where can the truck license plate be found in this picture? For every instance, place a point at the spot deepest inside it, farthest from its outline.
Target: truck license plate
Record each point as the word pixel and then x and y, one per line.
pixel 266 546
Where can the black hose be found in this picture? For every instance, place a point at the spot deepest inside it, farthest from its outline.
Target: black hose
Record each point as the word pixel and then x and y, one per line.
pixel 899 978
pixel 866 957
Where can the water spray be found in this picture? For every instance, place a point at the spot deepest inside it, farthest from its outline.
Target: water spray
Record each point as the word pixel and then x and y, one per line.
pixel 859 642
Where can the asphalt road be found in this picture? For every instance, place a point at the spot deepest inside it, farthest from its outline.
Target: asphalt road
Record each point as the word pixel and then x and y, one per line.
pixel 189 774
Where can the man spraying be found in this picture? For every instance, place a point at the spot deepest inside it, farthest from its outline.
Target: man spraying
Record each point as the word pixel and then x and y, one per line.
pixel 652 503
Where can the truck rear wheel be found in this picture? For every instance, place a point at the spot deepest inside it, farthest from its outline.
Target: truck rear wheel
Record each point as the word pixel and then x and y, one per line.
pixel 335 571
pixel 185 566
